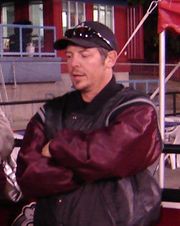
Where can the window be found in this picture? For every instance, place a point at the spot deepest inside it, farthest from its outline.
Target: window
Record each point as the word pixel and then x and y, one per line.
pixel 36 13
pixel 72 13
pixel 36 17
pixel 104 14
pixel 7 17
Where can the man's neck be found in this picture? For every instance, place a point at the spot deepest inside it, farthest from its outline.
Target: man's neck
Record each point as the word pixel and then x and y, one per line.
pixel 90 95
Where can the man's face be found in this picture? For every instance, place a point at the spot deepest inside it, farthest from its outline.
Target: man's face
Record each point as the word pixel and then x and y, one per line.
pixel 86 68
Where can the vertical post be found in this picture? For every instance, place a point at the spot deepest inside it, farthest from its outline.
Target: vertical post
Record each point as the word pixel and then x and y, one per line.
pixel 162 54
pixel 174 103
pixel 14 74
pixel 52 8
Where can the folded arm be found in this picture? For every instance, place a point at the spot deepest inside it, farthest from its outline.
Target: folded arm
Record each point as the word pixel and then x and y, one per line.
pixel 38 175
pixel 129 144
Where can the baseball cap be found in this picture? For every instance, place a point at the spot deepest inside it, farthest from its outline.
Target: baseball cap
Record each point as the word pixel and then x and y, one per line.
pixel 88 34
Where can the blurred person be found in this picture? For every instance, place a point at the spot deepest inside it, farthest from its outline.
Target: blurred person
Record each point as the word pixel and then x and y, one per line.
pixel 14 39
pixel 9 191
pixel 85 154
pixel 6 137
pixel 8 155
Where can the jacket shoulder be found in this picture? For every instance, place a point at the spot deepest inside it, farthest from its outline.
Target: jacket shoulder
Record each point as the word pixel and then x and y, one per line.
pixel 59 100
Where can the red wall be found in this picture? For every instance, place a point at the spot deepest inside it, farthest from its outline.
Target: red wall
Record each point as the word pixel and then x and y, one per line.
pixel 21 10
pixel 120 20
pixel 89 11
pixel 52 17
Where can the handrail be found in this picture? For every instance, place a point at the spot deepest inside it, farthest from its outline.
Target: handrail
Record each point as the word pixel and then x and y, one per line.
pixel 20 38
pixel 146 82
pixel 23 102
pixel 170 195
pixel 171 148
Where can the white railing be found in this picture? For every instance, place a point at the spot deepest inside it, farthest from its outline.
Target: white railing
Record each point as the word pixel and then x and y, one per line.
pixel 27 40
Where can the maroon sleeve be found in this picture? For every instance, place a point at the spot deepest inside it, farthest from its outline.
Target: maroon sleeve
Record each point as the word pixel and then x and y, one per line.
pixel 129 144
pixel 38 175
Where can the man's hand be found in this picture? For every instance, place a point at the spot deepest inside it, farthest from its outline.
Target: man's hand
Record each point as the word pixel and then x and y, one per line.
pixel 45 151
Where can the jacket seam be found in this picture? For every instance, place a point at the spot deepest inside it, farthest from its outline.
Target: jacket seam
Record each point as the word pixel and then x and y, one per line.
pixel 128 103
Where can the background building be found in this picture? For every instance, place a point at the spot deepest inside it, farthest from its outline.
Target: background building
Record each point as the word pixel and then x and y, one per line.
pixel 23 77
pixel 64 14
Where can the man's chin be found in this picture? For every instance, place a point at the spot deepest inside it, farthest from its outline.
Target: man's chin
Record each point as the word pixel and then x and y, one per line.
pixel 79 87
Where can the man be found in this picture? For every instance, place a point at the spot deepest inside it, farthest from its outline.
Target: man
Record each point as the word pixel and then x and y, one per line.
pixel 14 39
pixel 84 154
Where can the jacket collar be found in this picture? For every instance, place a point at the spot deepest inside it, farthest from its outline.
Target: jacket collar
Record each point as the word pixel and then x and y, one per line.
pixel 106 93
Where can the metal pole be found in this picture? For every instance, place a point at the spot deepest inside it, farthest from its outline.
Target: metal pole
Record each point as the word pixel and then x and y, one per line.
pixel 162 55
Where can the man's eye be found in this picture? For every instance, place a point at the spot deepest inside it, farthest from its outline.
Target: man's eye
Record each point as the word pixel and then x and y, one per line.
pixel 85 54
pixel 68 56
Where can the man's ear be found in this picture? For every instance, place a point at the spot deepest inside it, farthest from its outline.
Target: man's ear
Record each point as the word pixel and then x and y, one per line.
pixel 111 58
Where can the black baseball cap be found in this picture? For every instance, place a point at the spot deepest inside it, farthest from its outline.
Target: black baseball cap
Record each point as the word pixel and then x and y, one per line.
pixel 88 34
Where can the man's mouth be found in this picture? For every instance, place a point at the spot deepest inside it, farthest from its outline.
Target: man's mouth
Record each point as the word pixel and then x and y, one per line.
pixel 77 75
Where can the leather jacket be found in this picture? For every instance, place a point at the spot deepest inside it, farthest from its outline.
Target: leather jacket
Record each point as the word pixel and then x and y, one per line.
pixel 113 137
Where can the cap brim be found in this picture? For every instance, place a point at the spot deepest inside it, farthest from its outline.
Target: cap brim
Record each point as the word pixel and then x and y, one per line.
pixel 64 42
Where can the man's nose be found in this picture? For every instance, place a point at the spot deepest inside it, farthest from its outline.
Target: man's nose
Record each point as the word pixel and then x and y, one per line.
pixel 75 61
